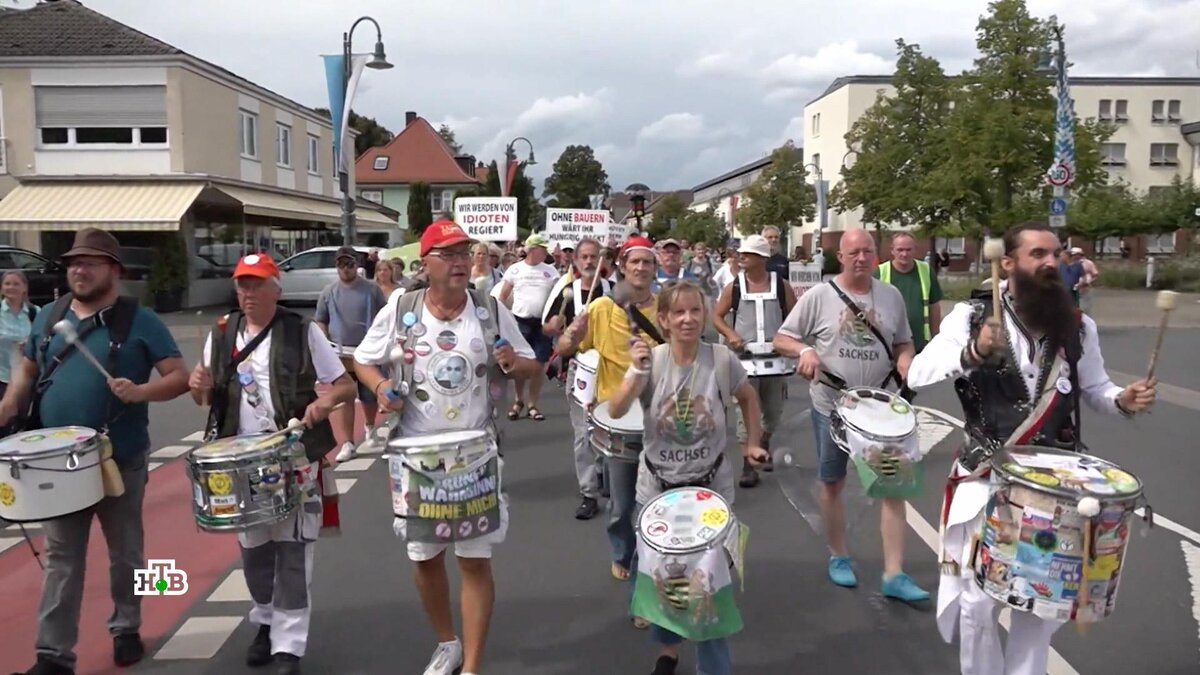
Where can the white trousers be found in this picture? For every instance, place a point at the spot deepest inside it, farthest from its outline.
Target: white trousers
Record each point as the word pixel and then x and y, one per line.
pixel 979 638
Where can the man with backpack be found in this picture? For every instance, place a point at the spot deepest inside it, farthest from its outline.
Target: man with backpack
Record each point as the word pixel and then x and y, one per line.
pixel 67 390
pixel 759 300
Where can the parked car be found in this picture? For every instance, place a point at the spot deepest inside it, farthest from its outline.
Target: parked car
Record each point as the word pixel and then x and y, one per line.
pixel 47 278
pixel 307 273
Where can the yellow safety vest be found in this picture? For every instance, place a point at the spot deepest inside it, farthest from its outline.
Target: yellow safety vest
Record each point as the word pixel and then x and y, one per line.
pixel 885 275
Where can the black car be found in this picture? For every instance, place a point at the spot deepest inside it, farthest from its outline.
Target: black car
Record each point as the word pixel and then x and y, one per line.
pixel 47 278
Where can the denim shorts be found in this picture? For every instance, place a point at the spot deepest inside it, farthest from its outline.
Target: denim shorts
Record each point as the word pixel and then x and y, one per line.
pixel 541 344
pixel 831 460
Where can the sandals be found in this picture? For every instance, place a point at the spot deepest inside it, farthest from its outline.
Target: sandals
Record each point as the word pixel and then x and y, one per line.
pixel 620 573
pixel 514 413
pixel 536 415
pixel 640 623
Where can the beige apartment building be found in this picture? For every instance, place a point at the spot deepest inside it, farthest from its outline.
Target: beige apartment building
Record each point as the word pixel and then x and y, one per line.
pixel 1150 146
pixel 103 125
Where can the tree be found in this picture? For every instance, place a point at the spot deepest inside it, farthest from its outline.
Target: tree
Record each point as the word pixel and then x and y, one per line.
pixel 1170 208
pixel 899 177
pixel 781 196
pixel 1104 211
pixel 577 175
pixel 707 226
pixel 420 213
pixel 370 133
pixel 670 209
pixel 529 215
pixel 447 135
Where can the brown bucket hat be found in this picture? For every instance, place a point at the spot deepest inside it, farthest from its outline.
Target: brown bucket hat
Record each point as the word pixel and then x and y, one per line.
pixel 93 241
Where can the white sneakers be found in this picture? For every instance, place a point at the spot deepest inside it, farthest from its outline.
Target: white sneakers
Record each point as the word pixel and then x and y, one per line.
pixel 447 658
pixel 347 452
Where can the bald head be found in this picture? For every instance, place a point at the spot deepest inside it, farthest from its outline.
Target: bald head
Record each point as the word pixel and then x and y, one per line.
pixel 856 239
pixel 856 252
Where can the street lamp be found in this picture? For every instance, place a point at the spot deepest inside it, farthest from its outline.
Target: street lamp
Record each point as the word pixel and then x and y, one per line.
pixel 637 201
pixel 510 156
pixel 378 61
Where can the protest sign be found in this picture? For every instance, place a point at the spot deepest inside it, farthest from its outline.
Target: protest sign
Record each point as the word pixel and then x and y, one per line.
pixel 487 218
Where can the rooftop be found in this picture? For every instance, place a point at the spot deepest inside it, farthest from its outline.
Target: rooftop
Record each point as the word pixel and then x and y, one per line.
pixel 1077 80
pixel 417 153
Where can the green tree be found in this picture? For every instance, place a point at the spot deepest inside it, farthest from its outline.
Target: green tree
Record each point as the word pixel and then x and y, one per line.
pixel 1170 208
pixel 529 215
pixel 780 197
pixel 447 135
pixel 420 214
pixel 670 209
pixel 707 226
pixel 899 175
pixel 1104 211
pixel 370 133
pixel 576 175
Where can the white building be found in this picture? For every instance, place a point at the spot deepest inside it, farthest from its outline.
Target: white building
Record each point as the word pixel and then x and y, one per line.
pixel 725 191
pixel 1148 149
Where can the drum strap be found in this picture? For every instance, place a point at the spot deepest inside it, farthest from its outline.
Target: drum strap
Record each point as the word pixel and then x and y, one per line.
pixel 703 481
pixel 905 393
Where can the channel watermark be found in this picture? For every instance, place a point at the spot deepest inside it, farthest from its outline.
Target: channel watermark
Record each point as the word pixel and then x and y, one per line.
pixel 160 577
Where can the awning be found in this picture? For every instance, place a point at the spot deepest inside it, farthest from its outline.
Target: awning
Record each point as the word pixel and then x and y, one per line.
pixel 113 206
pixel 276 205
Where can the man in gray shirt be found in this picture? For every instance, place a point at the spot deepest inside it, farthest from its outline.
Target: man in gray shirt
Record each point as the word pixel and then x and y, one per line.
pixel 826 335
pixel 345 311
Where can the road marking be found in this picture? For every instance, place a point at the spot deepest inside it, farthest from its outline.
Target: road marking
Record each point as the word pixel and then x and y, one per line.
pixel 1180 396
pixel 233 589
pixel 200 637
pixel 360 464
pixel 153 465
pixel 9 542
pixel 1173 526
pixel 170 451
pixel 344 485
pixel 193 438
pixel 1191 554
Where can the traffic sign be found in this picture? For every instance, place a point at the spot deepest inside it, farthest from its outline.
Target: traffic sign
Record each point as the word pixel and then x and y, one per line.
pixel 1058 221
pixel 1060 174
pixel 1058 206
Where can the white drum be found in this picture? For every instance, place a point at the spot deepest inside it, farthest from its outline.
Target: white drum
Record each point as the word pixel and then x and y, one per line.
pixel 583 389
pixel 446 487
pixel 767 365
pixel 47 473
pixel 620 438
pixel 878 429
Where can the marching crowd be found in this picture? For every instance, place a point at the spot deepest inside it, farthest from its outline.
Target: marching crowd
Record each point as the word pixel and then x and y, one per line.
pixel 433 352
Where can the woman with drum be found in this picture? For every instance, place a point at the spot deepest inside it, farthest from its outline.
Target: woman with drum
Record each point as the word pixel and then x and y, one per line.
pixel 684 586
pixel 1021 376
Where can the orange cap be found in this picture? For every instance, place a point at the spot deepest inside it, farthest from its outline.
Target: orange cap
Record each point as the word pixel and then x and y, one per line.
pixel 258 265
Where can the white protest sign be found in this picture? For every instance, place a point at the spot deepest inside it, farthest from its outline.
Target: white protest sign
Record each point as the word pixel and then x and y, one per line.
pixel 567 226
pixel 803 276
pixel 487 218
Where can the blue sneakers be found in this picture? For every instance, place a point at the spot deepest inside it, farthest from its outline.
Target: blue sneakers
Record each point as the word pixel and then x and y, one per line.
pixel 841 573
pixel 901 587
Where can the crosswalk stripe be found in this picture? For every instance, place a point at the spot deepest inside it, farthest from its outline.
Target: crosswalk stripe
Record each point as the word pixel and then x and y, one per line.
pixel 360 464
pixel 194 438
pixel 344 485
pixel 170 451
pixel 233 589
pixel 9 542
pixel 153 465
pixel 200 637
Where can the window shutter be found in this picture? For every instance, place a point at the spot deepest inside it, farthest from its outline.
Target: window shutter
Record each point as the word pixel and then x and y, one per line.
pixel 142 106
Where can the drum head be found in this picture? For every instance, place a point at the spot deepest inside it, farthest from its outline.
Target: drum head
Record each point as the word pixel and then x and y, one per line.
pixel 631 422
pixel 589 359
pixel 41 441
pixel 437 442
pixel 1065 473
pixel 685 520
pixel 236 447
pixel 877 413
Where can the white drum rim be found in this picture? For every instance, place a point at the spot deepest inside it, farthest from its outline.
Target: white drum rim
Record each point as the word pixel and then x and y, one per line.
pixel 194 455
pixel 76 447
pixel 874 435
pixel 589 360
pixel 715 542
pixel 451 440
pixel 609 424
pixel 1004 456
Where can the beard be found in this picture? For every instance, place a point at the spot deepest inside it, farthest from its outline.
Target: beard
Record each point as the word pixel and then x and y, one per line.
pixel 1045 305
pixel 97 292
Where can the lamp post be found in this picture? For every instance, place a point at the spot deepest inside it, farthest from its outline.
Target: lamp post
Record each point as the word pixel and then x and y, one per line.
pixel 510 156
pixel 378 62
pixel 1061 173
pixel 637 201
pixel 822 205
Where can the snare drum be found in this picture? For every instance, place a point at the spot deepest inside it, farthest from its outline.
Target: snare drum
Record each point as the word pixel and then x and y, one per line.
pixel 619 439
pixel 1030 550
pixel 583 389
pixel 445 487
pixel 878 429
pixel 688 539
pixel 47 473
pixel 767 365
pixel 244 481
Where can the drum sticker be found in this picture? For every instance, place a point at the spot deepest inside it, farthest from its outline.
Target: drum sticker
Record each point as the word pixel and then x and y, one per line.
pixel 483 524
pixel 442 530
pixel 455 499
pixel 447 340
pixel 1066 568
pixel 423 348
pixel 658 528
pixel 714 516
pixel 33 438
pixel 8 496
pixel 465 529
pixel 223 505
pixel 1122 480
pixel 220 483
pixel 449 373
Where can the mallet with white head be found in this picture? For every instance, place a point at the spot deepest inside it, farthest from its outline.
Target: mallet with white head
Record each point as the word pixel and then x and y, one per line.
pixel 67 331
pixel 993 250
pixel 1166 302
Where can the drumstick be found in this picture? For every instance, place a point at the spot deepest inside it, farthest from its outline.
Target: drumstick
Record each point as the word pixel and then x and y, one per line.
pixel 294 424
pixel 67 331
pixel 1088 508
pixel 596 278
pixel 1165 302
pixel 993 250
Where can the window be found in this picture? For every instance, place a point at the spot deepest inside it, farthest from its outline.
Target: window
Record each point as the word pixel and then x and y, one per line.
pixel 86 116
pixel 1106 114
pixel 1122 112
pixel 957 245
pixel 312 260
pixel 151 135
pixel 283 145
pixel 816 160
pixel 381 163
pixel 1110 246
pixel 56 136
pixel 1164 154
pixel 249 134
pixel 441 201
pixel 372 196
pixel 1158 190
pixel 74 137
pixel 1173 112
pixel 1112 154
pixel 1158 111
pixel 816 124
pixel 314 146
pixel 1160 243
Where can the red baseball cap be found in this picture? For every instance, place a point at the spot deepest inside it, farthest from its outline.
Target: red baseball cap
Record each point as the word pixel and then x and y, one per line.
pixel 441 234
pixel 638 243
pixel 258 265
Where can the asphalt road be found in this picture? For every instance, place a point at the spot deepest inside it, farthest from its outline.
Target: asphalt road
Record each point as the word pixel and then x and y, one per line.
pixel 558 611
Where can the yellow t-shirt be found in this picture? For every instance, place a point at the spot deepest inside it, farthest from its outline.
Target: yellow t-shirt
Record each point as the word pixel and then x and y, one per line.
pixel 608 333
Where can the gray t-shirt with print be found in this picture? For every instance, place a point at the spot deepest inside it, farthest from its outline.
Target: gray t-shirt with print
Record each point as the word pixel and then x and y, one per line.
pixel 846 346
pixel 685 423
pixel 349 310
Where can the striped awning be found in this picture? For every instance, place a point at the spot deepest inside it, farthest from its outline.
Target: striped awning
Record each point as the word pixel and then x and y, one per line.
pixel 296 207
pixel 113 206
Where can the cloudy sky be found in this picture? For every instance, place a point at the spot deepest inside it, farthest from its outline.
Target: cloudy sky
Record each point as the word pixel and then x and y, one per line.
pixel 668 92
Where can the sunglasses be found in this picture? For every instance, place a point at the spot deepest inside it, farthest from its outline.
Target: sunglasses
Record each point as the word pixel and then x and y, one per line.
pixel 343 262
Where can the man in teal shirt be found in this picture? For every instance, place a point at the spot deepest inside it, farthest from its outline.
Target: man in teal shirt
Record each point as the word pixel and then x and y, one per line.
pixel 77 394
pixel 917 284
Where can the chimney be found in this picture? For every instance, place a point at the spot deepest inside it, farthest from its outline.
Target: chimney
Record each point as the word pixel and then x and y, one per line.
pixel 409 118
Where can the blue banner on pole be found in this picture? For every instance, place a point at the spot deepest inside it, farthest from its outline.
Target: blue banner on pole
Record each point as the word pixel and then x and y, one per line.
pixel 335 74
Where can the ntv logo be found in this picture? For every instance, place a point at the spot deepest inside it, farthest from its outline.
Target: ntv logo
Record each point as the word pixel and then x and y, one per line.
pixel 160 578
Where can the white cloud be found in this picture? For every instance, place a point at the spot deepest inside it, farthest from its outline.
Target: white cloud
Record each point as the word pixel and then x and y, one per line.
pixel 794 131
pixel 673 128
pixel 830 62
pixel 564 110
pixel 722 63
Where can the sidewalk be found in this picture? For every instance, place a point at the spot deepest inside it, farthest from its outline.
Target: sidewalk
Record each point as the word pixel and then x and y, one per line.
pixel 1115 308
